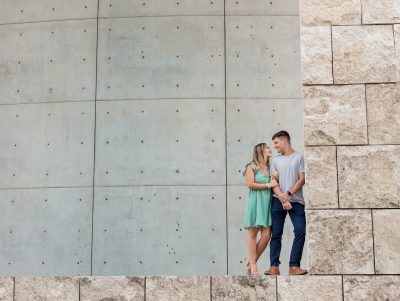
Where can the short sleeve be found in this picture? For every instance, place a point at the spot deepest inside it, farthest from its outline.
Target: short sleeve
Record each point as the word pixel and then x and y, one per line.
pixel 272 165
pixel 301 167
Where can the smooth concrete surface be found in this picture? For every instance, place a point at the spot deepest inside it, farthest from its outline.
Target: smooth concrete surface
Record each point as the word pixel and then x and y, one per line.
pixel 46 231
pixel 138 109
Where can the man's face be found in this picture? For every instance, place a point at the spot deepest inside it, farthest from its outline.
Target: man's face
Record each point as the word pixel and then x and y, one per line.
pixel 279 144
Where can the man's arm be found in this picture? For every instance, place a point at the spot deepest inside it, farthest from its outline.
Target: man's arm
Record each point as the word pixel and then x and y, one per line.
pixel 299 184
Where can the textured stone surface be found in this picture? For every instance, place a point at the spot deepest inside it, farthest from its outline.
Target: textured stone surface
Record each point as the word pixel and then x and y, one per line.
pixel 6 288
pixel 360 288
pixel 368 176
pixel 340 241
pixel 334 115
pixel 316 55
pixel 177 288
pixel 387 241
pixel 396 28
pixel 321 184
pixel 337 12
pixel 243 288
pixel 380 11
pixel 304 288
pixel 363 54
pixel 383 103
pixel 112 288
pixel 47 288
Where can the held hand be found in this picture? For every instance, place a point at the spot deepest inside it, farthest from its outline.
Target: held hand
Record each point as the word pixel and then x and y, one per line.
pixel 286 205
pixel 284 196
pixel 273 183
pixel 275 174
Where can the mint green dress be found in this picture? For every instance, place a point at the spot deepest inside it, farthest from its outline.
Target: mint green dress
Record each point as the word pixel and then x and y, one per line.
pixel 258 205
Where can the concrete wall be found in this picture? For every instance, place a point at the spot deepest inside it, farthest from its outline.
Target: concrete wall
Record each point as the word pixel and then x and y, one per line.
pixel 128 127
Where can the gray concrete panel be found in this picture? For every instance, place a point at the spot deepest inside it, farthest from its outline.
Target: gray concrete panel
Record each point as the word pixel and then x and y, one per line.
pixel 47 145
pixel 49 61
pixel 170 230
pixel 263 57
pixel 133 8
pixel 164 57
pixel 18 11
pixel 262 7
pixel 160 142
pixel 237 237
pixel 45 231
pixel 251 121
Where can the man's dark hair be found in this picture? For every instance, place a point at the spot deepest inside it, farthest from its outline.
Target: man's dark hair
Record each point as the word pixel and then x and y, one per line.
pixel 281 134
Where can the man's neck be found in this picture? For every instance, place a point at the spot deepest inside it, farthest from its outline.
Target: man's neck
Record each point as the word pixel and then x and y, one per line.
pixel 288 151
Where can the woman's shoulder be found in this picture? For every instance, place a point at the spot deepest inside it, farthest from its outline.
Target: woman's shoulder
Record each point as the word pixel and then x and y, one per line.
pixel 252 165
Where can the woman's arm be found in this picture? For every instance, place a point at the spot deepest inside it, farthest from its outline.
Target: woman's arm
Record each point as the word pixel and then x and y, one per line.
pixel 250 180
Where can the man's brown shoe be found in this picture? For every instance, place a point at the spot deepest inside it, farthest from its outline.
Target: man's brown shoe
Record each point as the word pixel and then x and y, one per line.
pixel 273 271
pixel 297 271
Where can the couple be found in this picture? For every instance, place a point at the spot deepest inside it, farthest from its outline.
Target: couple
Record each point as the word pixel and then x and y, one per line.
pixel 275 189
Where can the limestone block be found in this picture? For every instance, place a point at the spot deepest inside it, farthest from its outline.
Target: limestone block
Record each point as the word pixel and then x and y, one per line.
pixel 383 103
pixel 178 288
pixel 337 12
pixel 6 288
pixel 112 288
pixel 360 288
pixel 316 55
pixel 387 241
pixel 47 288
pixel 340 241
pixel 321 177
pixel 316 288
pixel 134 8
pixel 380 11
pixel 262 7
pixel 363 54
pixel 396 28
pixel 243 288
pixel 368 176
pixel 334 115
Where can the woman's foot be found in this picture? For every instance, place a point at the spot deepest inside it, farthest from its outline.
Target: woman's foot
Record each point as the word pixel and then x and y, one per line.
pixel 248 269
pixel 254 270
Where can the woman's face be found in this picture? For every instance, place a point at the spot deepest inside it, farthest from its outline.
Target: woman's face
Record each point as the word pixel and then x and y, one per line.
pixel 267 153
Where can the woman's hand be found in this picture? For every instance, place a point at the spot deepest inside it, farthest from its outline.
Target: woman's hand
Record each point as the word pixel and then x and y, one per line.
pixel 273 183
pixel 275 174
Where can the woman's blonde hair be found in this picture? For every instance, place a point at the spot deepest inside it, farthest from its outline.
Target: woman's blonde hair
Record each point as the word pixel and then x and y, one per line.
pixel 258 155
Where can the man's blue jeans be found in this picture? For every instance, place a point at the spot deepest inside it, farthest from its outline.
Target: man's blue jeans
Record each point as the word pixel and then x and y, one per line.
pixel 298 218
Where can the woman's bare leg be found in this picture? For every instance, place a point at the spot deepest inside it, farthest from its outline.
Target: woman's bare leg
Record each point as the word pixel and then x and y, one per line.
pixel 261 244
pixel 252 249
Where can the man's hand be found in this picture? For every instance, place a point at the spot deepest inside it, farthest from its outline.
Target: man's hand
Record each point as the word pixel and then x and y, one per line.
pixel 286 205
pixel 284 197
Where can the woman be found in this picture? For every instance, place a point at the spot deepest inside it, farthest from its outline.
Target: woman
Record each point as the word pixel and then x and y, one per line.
pixel 258 207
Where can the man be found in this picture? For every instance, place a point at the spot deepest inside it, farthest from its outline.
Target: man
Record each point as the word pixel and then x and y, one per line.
pixel 288 168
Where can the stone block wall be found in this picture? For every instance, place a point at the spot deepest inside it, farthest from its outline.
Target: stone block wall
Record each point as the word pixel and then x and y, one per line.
pixel 350 64
pixel 207 288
